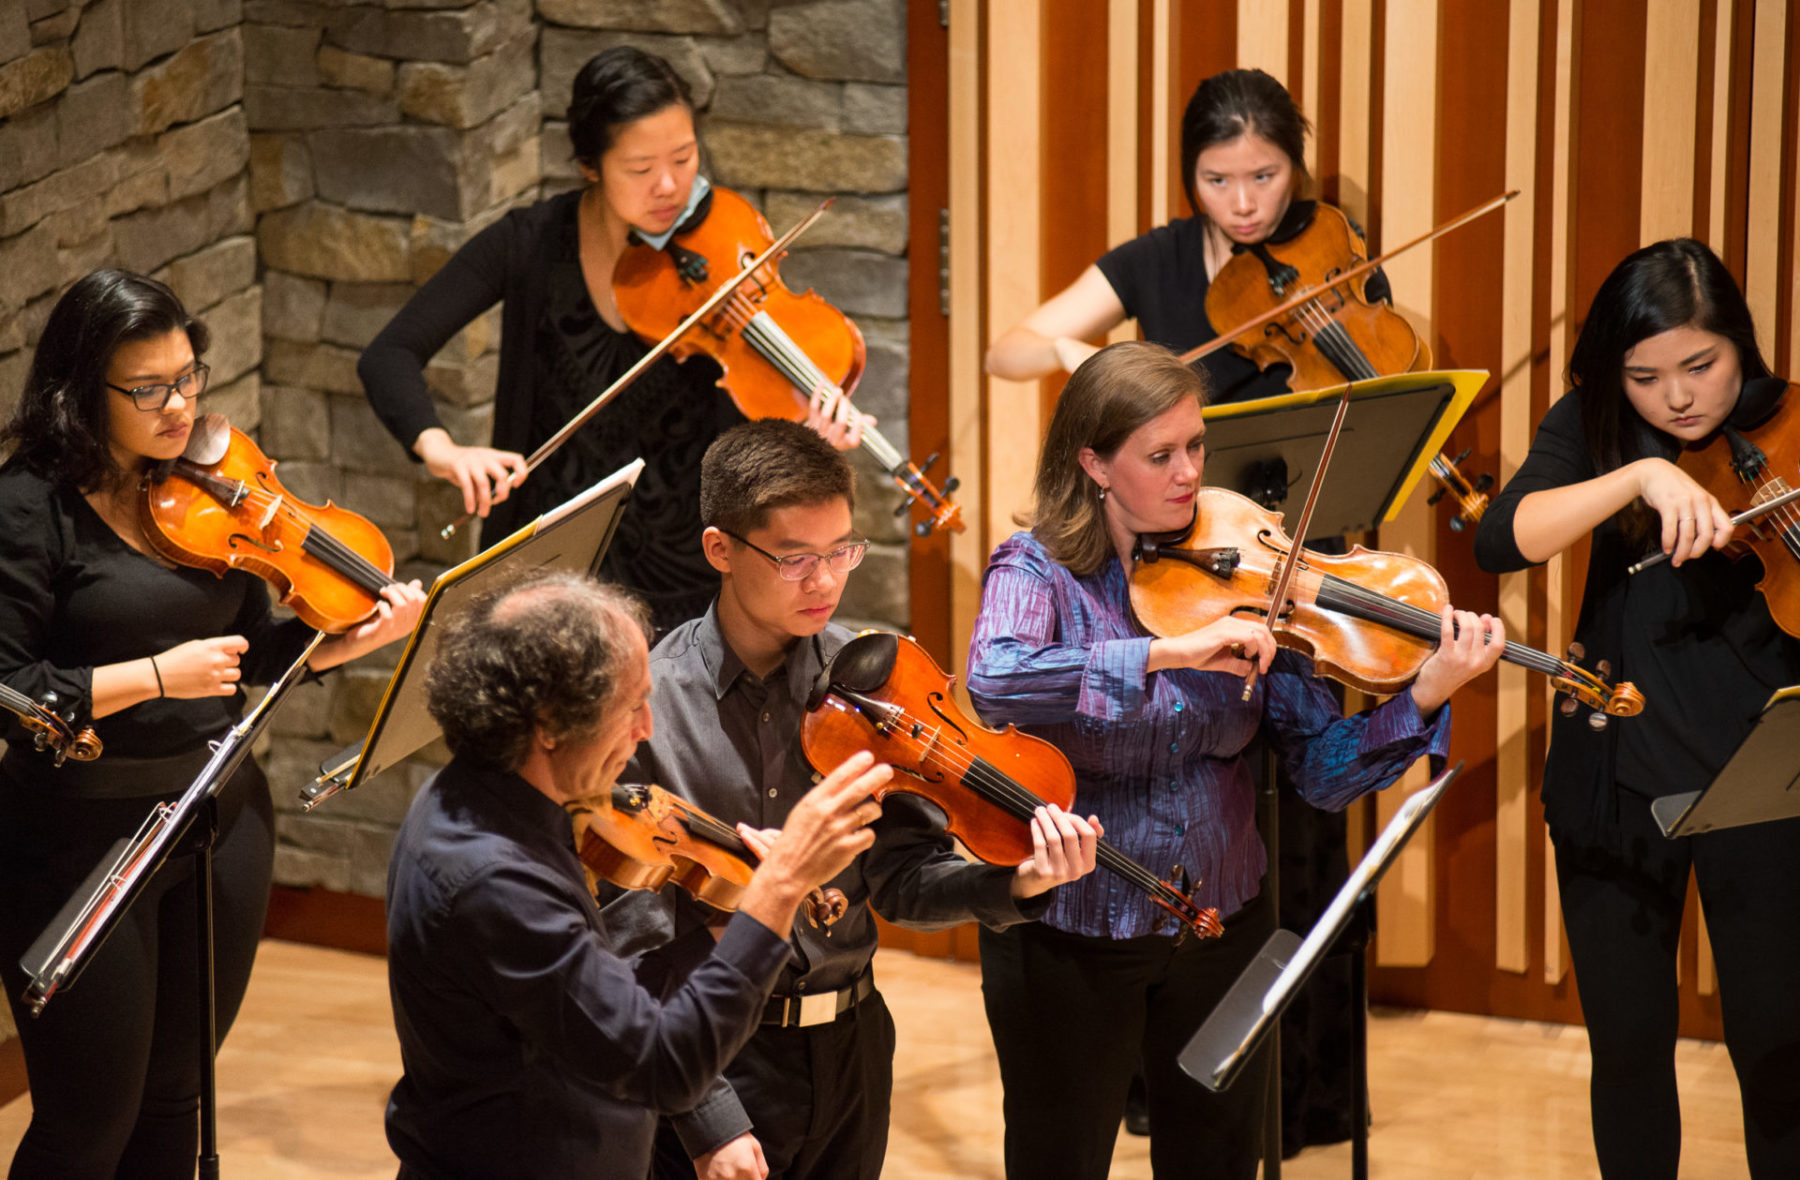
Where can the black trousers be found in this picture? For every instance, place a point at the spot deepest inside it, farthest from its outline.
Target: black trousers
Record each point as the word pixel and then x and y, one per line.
pixel 1623 911
pixel 114 1062
pixel 1071 1016
pixel 819 1098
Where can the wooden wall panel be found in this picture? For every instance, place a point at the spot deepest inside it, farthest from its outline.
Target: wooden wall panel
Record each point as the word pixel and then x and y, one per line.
pixel 1622 121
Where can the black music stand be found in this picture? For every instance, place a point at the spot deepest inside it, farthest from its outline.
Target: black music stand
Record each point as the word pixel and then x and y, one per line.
pixel 1221 1046
pixel 1760 782
pixel 1268 449
pixel 573 536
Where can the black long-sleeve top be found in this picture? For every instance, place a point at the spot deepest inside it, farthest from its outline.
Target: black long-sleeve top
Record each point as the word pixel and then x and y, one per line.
pixel 556 355
pixel 1696 640
pixel 530 1048
pixel 74 596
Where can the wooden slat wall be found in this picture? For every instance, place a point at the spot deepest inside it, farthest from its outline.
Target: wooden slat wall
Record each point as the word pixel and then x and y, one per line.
pixel 1621 121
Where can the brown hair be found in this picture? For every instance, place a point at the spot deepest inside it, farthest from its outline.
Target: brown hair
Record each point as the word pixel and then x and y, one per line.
pixel 757 467
pixel 548 651
pixel 1109 396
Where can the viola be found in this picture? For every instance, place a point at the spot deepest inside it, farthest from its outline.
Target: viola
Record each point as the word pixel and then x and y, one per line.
pixel 220 507
pixel 885 694
pixel 1366 618
pixel 777 349
pixel 51 731
pixel 1744 461
pixel 644 837
pixel 1303 302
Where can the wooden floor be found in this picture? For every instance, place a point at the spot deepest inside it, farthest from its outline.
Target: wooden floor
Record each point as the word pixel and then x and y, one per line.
pixel 306 1073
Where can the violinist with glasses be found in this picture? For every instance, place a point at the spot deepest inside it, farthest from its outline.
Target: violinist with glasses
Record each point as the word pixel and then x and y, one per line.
pixel 155 657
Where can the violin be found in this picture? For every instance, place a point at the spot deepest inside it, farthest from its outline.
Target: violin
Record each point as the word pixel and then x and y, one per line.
pixel 1366 618
pixel 219 507
pixel 778 349
pixel 643 837
pixel 1744 460
pixel 1299 306
pixel 885 694
pixel 51 731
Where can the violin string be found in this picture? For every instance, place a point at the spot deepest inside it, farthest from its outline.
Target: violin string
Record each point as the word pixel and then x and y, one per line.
pixel 344 559
pixel 1787 516
pixel 1336 593
pixel 992 784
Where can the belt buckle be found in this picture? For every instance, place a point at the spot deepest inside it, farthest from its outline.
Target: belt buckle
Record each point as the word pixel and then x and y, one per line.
pixel 820 1008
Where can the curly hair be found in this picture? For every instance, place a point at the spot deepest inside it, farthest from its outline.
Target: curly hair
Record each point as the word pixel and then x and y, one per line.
pixel 756 467
pixel 547 652
pixel 59 428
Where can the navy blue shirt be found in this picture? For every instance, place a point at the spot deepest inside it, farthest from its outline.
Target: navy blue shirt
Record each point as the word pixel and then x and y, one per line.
pixel 530 1049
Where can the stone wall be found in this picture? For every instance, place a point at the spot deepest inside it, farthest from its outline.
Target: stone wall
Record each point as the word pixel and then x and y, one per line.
pixel 798 101
pixel 305 164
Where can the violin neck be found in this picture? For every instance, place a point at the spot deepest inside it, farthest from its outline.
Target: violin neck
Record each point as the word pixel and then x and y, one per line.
pixel 779 349
pixel 1347 598
pixel 997 788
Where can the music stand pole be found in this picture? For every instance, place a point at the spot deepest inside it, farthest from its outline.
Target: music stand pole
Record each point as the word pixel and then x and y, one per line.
pixel 1271 797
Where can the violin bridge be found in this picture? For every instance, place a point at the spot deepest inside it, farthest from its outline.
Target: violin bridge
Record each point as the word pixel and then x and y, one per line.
pixel 269 516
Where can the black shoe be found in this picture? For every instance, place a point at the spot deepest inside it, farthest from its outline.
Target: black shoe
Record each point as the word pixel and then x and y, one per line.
pixel 1137 1108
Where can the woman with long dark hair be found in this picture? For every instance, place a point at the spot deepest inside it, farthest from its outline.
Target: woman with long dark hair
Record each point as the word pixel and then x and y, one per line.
pixel 563 341
pixel 153 656
pixel 1155 729
pixel 1666 357
pixel 1243 167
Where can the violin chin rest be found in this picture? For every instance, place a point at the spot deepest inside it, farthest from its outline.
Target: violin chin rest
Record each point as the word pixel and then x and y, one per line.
pixel 210 439
pixel 862 665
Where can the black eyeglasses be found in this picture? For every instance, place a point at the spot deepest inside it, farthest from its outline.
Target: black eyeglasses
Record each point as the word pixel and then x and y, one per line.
pixel 797 567
pixel 155 397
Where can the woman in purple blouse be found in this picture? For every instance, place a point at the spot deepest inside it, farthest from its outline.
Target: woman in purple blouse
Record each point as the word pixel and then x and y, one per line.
pixel 1155 729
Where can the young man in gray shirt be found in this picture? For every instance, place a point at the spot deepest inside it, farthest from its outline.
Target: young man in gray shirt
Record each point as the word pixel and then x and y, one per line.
pixel 809 1095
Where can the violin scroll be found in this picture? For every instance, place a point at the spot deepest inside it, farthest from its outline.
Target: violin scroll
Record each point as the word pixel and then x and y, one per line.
pixel 1580 687
pixel 52 732
pixel 1471 495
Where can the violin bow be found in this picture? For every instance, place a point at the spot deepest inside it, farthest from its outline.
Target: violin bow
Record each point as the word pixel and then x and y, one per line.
pixel 1355 272
pixel 1286 577
pixel 1744 517
pixel 550 445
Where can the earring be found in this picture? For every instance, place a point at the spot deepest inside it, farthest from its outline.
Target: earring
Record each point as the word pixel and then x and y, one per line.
pixel 1102 494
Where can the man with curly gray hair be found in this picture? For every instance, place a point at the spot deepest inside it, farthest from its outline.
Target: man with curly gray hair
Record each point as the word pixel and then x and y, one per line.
pixel 529 1047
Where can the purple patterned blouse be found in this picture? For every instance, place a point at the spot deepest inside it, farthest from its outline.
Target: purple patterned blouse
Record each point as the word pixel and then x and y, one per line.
pixel 1157 756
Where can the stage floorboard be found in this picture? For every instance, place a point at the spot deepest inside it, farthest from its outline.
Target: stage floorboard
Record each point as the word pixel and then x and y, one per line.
pixel 305 1076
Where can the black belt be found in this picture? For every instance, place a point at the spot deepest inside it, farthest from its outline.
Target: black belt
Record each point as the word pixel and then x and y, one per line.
pixel 822 1008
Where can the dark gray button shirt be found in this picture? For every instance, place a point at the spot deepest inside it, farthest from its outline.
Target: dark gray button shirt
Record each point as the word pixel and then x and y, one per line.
pixel 730 743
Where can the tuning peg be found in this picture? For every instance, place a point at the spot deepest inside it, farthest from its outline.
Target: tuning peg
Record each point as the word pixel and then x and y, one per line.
pixel 1459 459
pixel 1568 705
pixel 929 460
pixel 922 528
pixel 1597 721
pixel 1484 481
pixel 1457 524
pixel 1577 653
pixel 902 508
pixel 951 484
pixel 1436 496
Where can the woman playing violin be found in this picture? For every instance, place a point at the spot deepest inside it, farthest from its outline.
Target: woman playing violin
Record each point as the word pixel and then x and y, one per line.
pixel 563 341
pixel 154 657
pixel 1155 729
pixel 1658 368
pixel 1243 145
